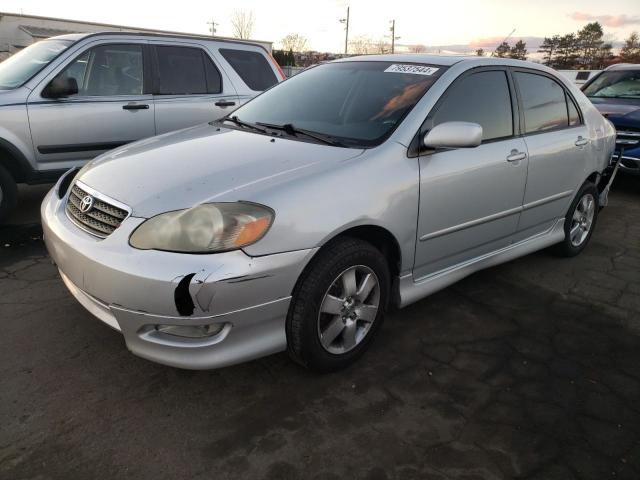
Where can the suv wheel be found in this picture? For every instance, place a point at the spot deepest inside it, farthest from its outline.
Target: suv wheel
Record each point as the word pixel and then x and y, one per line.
pixel 8 193
pixel 580 221
pixel 338 305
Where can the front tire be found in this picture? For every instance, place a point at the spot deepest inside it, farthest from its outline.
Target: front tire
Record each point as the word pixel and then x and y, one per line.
pixel 579 222
pixel 338 305
pixel 8 193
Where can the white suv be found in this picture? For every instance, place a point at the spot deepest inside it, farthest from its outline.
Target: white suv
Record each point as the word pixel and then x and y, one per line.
pixel 67 99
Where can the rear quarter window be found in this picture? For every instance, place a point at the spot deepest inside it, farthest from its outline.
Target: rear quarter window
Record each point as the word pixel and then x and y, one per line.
pixel 252 67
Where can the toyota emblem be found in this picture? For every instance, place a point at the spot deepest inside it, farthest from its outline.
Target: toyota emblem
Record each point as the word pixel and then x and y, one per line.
pixel 86 204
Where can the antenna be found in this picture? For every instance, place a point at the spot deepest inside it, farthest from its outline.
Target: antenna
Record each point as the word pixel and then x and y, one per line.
pixel 505 39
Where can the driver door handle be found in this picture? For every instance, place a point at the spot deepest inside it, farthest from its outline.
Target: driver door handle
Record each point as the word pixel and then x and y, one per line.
pixel 516 156
pixel 224 103
pixel 135 106
pixel 581 142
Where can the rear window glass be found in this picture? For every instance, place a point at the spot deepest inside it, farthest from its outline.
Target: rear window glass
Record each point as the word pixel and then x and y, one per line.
pixel 544 102
pixel 186 71
pixel 252 67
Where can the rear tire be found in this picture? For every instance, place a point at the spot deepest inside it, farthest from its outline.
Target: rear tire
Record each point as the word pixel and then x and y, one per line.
pixel 8 193
pixel 579 222
pixel 338 305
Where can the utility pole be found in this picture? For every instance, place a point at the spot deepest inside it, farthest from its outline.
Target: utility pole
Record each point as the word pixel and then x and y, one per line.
pixel 212 28
pixel 346 31
pixel 393 36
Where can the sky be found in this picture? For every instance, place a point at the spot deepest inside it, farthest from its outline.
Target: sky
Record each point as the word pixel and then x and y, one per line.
pixel 432 23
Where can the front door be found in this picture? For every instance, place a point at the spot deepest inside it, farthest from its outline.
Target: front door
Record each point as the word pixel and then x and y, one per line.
pixel 470 199
pixel 111 108
pixel 189 88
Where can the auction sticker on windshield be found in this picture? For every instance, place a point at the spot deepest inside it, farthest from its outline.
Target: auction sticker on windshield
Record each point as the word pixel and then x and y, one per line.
pixel 415 69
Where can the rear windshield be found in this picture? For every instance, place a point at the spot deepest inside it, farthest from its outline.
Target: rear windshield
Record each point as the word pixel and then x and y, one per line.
pixel 20 67
pixel 252 67
pixel 357 103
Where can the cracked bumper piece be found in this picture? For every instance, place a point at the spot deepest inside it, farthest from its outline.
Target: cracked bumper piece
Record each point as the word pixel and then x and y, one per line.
pixel 241 300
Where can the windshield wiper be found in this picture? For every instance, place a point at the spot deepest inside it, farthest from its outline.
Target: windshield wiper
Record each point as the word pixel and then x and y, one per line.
pixel 235 120
pixel 290 129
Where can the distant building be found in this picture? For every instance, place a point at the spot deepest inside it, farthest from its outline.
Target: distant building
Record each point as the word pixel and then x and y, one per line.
pixel 19 31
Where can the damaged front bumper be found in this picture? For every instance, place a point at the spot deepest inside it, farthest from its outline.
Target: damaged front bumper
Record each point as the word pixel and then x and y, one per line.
pixel 243 300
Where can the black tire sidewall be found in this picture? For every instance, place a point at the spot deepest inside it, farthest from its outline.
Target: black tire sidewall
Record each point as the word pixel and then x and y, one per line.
pixel 9 193
pixel 308 295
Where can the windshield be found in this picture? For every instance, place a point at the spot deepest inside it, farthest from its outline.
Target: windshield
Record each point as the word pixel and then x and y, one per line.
pixel 20 67
pixel 356 103
pixel 621 84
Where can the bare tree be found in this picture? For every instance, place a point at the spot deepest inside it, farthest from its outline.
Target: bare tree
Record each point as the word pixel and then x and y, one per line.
pixel 381 46
pixel 294 42
pixel 242 23
pixel 418 48
pixel 360 45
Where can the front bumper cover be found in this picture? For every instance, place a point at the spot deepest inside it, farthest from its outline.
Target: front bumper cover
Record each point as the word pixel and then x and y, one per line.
pixel 132 290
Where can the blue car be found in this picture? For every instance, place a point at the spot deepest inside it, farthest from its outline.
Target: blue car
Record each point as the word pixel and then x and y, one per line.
pixel 616 93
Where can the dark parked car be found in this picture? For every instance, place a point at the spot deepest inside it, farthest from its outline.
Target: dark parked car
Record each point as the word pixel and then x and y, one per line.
pixel 616 93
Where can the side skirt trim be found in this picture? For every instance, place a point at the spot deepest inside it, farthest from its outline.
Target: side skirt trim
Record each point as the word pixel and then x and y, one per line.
pixel 412 291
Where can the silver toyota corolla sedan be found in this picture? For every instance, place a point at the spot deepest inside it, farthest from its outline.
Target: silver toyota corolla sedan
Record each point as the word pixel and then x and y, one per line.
pixel 297 220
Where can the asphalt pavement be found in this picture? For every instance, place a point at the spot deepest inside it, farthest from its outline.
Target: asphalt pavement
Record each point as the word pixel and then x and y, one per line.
pixel 527 370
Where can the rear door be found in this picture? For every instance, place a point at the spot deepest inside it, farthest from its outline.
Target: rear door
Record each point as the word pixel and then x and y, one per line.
pixel 556 139
pixel 470 199
pixel 113 105
pixel 189 88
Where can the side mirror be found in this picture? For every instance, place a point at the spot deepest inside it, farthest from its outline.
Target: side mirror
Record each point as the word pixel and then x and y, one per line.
pixel 61 87
pixel 454 135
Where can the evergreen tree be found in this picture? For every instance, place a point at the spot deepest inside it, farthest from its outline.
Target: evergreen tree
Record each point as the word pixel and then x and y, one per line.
pixel 549 48
pixel 519 51
pixel 480 52
pixel 503 50
pixel 590 44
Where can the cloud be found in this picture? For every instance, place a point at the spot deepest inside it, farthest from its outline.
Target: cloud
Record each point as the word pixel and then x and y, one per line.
pixel 606 20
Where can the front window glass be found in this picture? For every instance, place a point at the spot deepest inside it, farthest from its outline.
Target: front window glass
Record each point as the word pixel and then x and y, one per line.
pixel 108 70
pixel 357 103
pixel 615 85
pixel 20 67
pixel 481 98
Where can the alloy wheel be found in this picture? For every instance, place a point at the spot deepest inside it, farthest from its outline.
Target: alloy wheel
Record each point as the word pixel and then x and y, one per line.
pixel 582 220
pixel 348 309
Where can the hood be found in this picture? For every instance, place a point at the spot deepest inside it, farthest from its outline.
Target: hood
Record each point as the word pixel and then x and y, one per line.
pixel 14 96
pixel 619 108
pixel 203 164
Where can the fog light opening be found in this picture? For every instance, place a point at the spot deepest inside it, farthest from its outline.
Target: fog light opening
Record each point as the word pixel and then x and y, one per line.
pixel 191 331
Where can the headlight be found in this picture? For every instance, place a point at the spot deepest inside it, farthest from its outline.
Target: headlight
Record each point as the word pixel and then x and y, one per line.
pixel 206 228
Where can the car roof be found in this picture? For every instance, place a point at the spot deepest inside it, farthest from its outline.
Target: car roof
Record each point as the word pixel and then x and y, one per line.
pixel 624 66
pixel 443 60
pixel 79 36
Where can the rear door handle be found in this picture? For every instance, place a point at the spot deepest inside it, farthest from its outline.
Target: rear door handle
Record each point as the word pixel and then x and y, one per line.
pixel 581 142
pixel 516 156
pixel 224 103
pixel 136 106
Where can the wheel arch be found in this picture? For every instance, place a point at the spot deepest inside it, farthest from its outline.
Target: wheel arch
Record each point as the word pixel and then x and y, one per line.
pixel 379 237
pixel 12 159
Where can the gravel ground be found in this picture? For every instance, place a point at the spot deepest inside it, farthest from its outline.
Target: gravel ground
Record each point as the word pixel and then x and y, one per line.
pixel 527 370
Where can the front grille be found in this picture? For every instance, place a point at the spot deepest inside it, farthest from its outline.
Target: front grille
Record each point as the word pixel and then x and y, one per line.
pixel 100 219
pixel 628 137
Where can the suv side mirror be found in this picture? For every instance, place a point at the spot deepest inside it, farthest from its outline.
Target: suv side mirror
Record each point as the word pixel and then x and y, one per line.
pixel 454 135
pixel 61 87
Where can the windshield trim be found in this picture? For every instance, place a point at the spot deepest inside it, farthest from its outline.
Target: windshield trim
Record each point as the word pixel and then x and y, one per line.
pixel 354 143
pixel 53 59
